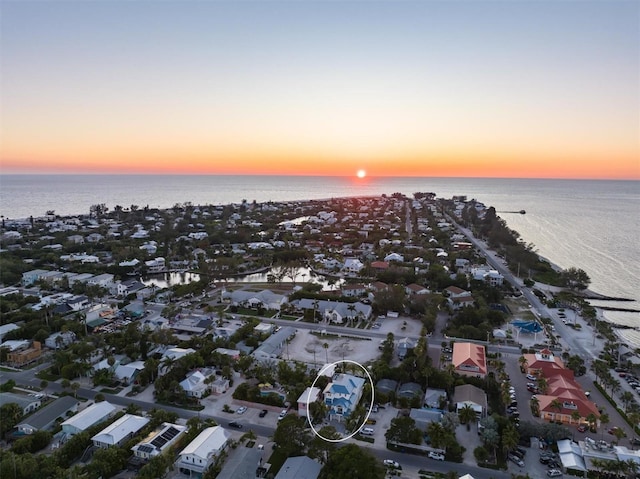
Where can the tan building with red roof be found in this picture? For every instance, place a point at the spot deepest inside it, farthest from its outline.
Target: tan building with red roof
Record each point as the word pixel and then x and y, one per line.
pixel 380 265
pixel 469 359
pixel 543 363
pixel 563 400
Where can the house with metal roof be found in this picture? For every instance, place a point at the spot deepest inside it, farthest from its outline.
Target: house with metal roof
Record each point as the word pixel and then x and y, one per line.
pixel 200 453
pixel 272 347
pixel 342 395
pixel 158 441
pixel 27 403
pixel 120 431
pixel 90 416
pixel 300 467
pixel 470 395
pixel 46 417
pixel 410 391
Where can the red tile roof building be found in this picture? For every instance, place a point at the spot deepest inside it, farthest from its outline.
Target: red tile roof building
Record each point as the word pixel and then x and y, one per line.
pixel 469 359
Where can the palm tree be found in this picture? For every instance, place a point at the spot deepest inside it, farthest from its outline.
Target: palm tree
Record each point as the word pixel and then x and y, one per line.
pixel 592 419
pixel 523 363
pixel 535 406
pixel 615 386
pixel 604 419
pixel 74 387
pixel 438 435
pixel 543 385
pixel 510 438
pixel 351 308
pixel 576 416
pixel 467 416
pixel 626 397
pixel 326 351
pixel 557 405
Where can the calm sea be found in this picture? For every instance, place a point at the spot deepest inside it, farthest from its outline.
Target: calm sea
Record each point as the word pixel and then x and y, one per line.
pixel 593 225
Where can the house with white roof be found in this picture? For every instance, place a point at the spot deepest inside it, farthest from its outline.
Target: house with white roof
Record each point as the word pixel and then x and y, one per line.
pixel 195 384
pixel 127 372
pixel 266 298
pixel 30 277
pixel 158 441
pixel 27 403
pixel 300 467
pixel 120 431
pixel 394 257
pixel 274 344
pixel 310 395
pixel 90 416
pixel 155 265
pixel 60 339
pixel 200 453
pixel 352 265
pixel 5 328
pixel 342 395
pixel 104 280
pixel 336 311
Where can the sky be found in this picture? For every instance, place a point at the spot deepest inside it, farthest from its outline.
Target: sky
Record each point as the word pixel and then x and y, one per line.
pixel 542 89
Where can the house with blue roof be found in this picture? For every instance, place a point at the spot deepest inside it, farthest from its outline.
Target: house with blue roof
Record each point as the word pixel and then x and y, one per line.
pixel 342 395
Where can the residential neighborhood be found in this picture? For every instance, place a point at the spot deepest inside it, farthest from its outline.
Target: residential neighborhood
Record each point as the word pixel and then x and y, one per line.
pixel 203 340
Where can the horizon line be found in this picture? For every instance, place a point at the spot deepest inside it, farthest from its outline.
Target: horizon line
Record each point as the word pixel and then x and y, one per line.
pixel 292 175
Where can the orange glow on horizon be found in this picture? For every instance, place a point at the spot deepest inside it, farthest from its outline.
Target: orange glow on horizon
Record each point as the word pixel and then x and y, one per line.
pixel 481 166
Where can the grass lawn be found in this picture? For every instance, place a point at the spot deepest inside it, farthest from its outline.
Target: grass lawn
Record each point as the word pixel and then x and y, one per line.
pixel 276 460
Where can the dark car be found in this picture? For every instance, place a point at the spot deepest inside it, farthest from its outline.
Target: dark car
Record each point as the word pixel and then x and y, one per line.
pixel 263 413
pixel 235 424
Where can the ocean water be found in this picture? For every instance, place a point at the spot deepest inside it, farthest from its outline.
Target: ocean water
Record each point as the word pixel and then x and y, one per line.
pixel 593 225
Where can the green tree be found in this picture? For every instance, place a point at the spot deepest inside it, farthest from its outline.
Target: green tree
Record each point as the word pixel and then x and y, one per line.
pixel 107 462
pixel 575 278
pixel 509 438
pixel 10 415
pixel 319 447
pixel 291 435
pixel 403 430
pixel 467 416
pixel 352 462
pixel 156 468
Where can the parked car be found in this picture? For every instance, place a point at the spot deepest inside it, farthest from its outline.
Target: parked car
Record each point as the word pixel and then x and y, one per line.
pixel 531 377
pixel 263 413
pixel 241 410
pixel 367 431
pixel 516 460
pixel 518 454
pixel 582 428
pixel 554 473
pixel 391 463
pixel 283 413
pixel 436 455
pixel 235 424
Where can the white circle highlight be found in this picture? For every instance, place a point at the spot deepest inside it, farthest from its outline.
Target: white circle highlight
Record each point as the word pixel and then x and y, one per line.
pixel 368 412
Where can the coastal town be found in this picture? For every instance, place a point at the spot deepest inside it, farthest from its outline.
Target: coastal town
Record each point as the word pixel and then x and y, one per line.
pixel 417 337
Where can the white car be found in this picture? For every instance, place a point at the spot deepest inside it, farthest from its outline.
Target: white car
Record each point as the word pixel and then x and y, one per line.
pixel 436 455
pixel 241 410
pixel 531 377
pixel 283 413
pixel 391 463
pixel 554 473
